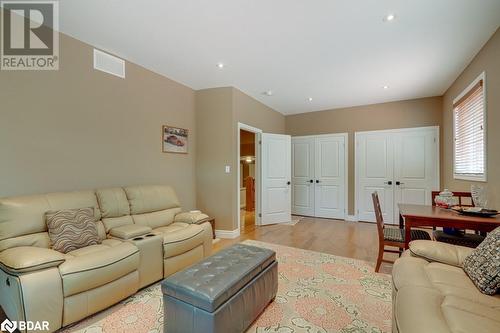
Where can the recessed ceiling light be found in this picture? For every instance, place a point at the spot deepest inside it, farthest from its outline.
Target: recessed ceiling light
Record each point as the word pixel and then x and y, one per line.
pixel 220 65
pixel 389 18
pixel 386 87
pixel 268 93
pixel 310 99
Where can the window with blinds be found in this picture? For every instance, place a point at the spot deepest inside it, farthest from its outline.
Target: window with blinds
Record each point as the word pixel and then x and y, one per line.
pixel 469 129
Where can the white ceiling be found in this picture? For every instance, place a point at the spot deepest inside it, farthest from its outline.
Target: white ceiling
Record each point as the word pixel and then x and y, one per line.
pixel 339 52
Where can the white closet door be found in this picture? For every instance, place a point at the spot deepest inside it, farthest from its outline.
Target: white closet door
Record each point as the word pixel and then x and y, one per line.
pixel 276 178
pixel 330 191
pixel 415 166
pixel 401 165
pixel 303 176
pixel 375 170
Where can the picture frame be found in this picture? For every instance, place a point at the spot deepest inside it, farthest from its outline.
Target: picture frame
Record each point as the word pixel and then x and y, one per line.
pixel 174 139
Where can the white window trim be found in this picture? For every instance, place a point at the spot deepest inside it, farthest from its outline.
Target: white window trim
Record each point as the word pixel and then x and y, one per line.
pixel 478 178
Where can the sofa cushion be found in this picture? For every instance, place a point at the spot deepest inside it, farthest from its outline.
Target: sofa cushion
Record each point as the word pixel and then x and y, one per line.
pixel 25 215
pixel 440 252
pixel 28 258
pixel 445 279
pixel 421 309
pixel 483 264
pixel 113 202
pixel 93 266
pixel 179 238
pixel 148 199
pixel 71 229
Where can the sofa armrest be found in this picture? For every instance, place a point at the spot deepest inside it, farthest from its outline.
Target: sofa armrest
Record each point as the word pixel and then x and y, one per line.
pixel 129 231
pixel 23 259
pixel 190 217
pixel 440 252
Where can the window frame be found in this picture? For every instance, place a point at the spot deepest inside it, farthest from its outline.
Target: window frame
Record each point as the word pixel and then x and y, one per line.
pixel 476 178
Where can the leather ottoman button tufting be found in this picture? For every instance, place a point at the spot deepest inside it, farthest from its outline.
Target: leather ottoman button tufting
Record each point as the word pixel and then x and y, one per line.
pixel 223 293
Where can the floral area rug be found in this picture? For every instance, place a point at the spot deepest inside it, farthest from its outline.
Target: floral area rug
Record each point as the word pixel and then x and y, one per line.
pixel 317 292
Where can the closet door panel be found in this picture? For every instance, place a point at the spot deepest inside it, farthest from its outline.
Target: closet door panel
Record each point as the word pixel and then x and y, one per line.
pixel 416 164
pixel 374 163
pixel 302 175
pixel 330 177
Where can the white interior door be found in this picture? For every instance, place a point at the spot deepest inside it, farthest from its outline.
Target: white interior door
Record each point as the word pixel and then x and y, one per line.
pixel 276 178
pixel 416 166
pixel 303 176
pixel 330 190
pixel 375 170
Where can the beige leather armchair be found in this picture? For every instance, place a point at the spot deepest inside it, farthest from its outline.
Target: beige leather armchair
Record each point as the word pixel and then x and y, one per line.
pixel 432 293
pixel 141 244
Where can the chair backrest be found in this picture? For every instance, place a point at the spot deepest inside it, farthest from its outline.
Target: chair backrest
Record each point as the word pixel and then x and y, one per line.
pixel 459 195
pixel 378 215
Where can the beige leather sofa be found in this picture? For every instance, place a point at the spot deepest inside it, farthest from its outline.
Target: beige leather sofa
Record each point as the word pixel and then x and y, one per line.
pixel 432 293
pixel 145 237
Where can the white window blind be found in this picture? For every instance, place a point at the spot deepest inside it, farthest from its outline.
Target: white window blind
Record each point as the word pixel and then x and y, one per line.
pixel 469 123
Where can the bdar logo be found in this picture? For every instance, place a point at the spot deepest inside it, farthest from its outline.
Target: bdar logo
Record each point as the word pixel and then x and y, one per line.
pixel 8 326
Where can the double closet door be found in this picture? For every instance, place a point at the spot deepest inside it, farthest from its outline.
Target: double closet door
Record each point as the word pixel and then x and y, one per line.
pixel 319 176
pixel 401 165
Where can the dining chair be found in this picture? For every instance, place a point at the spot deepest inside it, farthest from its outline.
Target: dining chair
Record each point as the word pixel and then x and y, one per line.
pixel 459 237
pixel 394 237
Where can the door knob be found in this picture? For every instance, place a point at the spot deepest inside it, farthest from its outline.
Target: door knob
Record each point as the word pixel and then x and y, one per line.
pixel 399 183
pixel 288 183
pixel 388 183
pixel 317 181
pixel 311 181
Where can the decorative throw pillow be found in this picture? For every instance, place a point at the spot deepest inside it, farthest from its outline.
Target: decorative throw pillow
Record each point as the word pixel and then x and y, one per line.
pixel 72 229
pixel 483 264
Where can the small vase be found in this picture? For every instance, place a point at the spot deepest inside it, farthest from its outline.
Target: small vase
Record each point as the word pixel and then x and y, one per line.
pixel 479 197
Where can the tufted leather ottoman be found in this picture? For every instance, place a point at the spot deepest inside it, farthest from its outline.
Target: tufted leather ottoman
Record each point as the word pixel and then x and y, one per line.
pixel 223 293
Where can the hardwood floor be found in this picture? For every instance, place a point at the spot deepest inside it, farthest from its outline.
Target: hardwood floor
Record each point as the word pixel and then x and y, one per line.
pixel 356 240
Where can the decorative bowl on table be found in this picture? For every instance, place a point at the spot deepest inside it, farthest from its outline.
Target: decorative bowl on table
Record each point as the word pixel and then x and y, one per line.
pixel 445 199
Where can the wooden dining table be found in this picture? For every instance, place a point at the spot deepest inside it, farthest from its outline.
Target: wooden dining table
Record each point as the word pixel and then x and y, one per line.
pixel 412 216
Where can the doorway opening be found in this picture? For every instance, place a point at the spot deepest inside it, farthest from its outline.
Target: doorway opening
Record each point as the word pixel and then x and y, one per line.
pixel 247 176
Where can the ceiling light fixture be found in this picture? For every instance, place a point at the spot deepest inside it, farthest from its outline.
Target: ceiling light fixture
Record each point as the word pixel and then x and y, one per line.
pixel 268 93
pixel 389 18
pixel 220 65
pixel 386 87
pixel 310 99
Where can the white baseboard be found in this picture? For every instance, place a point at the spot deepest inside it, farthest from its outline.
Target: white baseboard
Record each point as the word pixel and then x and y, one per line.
pixel 351 218
pixel 227 233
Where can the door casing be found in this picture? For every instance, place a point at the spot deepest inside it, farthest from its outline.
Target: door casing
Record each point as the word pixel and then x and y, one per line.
pixel 258 202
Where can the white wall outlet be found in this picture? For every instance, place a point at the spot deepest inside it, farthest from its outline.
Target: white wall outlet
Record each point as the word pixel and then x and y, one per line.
pixel 228 169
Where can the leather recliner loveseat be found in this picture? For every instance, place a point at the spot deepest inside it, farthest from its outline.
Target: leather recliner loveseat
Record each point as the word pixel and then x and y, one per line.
pixel 432 293
pixel 145 237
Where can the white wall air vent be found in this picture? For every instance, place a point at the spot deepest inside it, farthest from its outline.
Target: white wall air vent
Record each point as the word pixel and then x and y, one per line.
pixel 109 64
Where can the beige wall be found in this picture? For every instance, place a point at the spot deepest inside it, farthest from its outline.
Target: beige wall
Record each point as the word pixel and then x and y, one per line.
pixel 487 60
pixel 410 113
pixel 78 128
pixel 218 112
pixel 214 124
